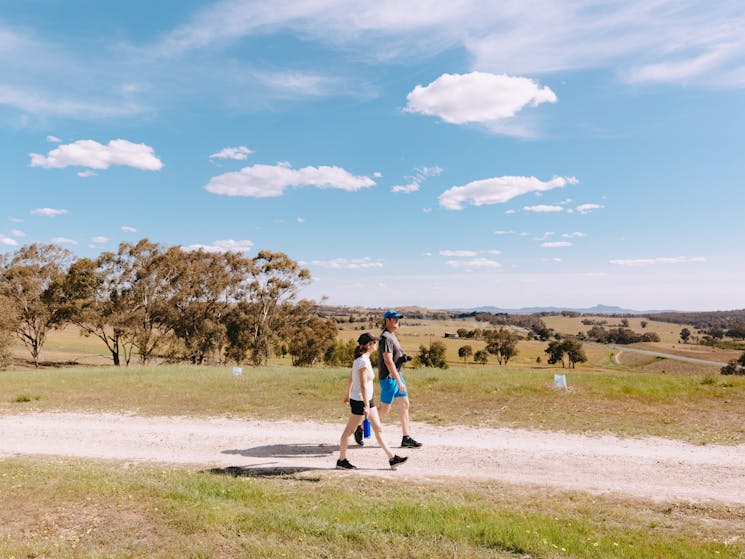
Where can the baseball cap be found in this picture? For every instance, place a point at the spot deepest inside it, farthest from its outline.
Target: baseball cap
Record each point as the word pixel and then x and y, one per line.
pixel 392 314
pixel 366 338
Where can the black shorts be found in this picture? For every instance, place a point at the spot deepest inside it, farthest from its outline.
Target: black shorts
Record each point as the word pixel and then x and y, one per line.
pixel 358 406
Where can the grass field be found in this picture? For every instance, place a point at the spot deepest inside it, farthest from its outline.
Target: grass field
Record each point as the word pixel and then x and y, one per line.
pixel 76 509
pixel 697 408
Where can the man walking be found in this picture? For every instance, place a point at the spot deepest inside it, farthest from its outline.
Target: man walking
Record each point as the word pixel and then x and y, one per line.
pixel 392 384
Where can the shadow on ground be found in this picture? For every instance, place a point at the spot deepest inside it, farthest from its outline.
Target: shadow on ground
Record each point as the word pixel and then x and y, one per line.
pixel 286 451
pixel 264 471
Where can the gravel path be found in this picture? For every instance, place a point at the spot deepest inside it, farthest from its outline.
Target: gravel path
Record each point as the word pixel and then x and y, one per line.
pixel 652 468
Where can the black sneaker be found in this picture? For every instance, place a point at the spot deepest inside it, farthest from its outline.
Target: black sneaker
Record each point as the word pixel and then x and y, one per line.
pixel 358 434
pixel 345 465
pixel 408 442
pixel 396 460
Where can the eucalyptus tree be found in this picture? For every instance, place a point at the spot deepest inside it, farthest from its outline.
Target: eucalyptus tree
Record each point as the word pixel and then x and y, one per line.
pixel 8 323
pixel 309 336
pixel 503 344
pixel 254 324
pixel 204 288
pixel 97 303
pixel 146 281
pixel 31 279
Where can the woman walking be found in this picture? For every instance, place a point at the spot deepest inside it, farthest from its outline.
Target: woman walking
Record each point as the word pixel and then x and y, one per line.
pixel 359 395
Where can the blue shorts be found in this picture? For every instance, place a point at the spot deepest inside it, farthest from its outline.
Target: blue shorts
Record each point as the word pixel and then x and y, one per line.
pixel 389 389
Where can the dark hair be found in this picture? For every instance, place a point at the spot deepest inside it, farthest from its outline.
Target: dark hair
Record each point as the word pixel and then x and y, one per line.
pixel 360 350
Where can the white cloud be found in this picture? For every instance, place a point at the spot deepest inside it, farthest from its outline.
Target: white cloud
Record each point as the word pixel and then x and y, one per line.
pixel 86 174
pixel 35 101
pixel 348 264
pixel 659 260
pixel 100 239
pixel 497 190
pixel 543 208
pixel 128 229
pixel 575 235
pixel 89 153
pixel 458 253
pixel 477 97
pixel 49 212
pixel 17 233
pixel 556 244
pixel 665 39
pixel 422 173
pixel 265 181
pixel 64 241
pixel 300 219
pixel 474 264
pixel 227 245
pixel 239 153
pixel 7 241
pixel 53 139
pixel 587 208
pixel 406 188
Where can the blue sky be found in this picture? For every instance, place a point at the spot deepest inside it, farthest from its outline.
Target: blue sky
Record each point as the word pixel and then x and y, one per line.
pixel 443 154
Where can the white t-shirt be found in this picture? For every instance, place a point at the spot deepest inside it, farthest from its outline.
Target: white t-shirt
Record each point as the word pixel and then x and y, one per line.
pixel 362 362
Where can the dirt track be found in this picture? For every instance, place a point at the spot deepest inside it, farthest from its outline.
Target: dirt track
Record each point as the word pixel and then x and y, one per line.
pixel 652 468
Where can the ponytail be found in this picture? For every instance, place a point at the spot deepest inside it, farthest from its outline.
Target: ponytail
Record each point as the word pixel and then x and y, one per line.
pixel 359 350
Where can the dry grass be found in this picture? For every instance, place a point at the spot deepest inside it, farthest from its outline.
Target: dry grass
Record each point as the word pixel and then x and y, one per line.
pixel 76 509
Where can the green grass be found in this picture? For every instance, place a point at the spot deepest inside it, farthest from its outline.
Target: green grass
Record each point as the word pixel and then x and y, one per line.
pixel 699 408
pixel 71 509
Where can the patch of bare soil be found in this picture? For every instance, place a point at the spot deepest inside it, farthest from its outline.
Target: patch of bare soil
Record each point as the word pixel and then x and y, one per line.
pixel 651 468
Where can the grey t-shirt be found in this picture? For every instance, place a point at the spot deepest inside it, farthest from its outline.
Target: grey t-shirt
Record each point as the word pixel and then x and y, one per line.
pixel 388 344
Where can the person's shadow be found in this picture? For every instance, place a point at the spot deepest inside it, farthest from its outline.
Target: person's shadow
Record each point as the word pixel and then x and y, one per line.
pixel 277 451
pixel 286 451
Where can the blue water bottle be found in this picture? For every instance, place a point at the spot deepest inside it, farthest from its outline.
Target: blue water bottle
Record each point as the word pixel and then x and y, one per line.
pixel 366 428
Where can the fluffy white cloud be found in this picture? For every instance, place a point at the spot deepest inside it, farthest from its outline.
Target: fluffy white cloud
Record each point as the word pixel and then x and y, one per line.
pixel 49 212
pixel 474 264
pixel 575 235
pixel 228 245
pixel 406 188
pixel 458 253
pixel 659 260
pixel 53 139
pixel 348 264
pixel 89 153
pixel 556 244
pixel 7 241
pixel 266 181
pixel 128 229
pixel 64 241
pixel 100 239
pixel 239 153
pixel 478 97
pixel 86 174
pixel 17 233
pixel 543 208
pixel 587 208
pixel 497 190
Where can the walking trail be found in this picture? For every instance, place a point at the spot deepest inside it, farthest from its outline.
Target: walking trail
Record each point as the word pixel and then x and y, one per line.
pixel 651 468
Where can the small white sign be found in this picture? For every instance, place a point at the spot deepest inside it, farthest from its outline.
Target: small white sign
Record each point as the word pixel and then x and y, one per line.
pixel 237 371
pixel 560 382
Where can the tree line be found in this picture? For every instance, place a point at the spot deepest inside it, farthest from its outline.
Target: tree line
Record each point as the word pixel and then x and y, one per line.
pixel 154 301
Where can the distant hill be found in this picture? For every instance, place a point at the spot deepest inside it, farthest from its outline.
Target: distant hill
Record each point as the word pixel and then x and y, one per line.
pixel 597 309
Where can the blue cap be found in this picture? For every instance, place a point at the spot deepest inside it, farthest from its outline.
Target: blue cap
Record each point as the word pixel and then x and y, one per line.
pixel 392 314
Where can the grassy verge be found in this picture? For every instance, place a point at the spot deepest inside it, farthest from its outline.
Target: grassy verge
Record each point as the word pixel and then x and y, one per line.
pixel 71 509
pixel 699 408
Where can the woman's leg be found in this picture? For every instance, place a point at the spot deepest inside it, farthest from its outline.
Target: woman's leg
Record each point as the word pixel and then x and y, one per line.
pixel 352 423
pixel 377 428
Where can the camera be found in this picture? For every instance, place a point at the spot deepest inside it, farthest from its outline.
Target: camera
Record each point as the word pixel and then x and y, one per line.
pixel 403 359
